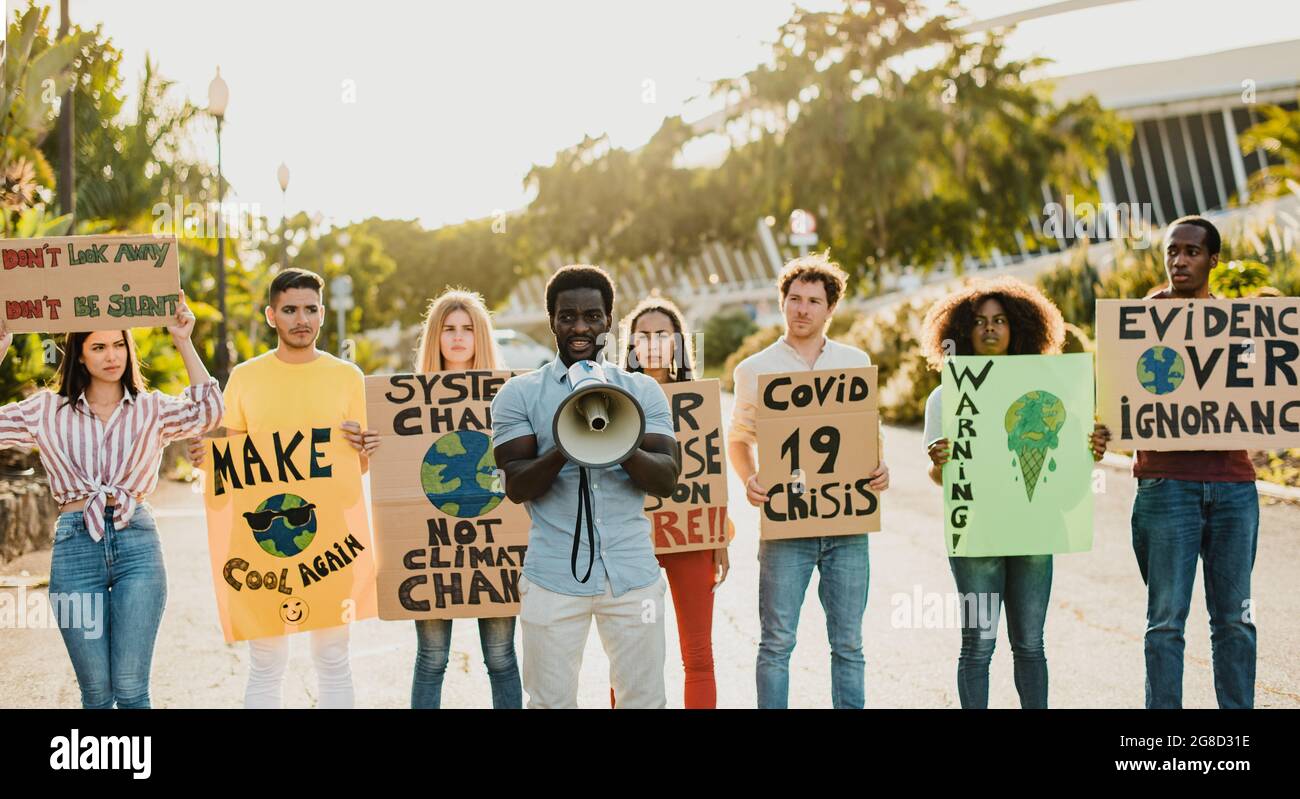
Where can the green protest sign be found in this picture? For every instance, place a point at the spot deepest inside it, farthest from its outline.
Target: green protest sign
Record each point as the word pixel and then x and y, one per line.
pixel 1019 478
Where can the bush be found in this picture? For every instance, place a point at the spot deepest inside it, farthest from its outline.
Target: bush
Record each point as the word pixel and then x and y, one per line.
pixel 1135 275
pixel 758 340
pixel 1073 286
pixel 23 368
pixel 1238 278
pixel 722 335
pixel 892 338
pixel 1076 340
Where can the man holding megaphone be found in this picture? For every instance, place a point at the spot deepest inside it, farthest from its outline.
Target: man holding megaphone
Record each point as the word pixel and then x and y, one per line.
pixel 581 442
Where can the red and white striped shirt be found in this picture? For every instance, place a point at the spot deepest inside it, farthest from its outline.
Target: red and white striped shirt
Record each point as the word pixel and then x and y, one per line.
pixel 86 458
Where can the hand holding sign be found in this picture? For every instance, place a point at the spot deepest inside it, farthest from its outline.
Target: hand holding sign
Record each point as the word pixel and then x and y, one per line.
pixel 1098 440
pixel 939 452
pixel 879 478
pixel 196 450
pixel 182 324
pixel 363 441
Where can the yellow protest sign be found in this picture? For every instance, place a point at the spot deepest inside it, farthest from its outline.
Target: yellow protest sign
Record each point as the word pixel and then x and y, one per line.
pixel 287 532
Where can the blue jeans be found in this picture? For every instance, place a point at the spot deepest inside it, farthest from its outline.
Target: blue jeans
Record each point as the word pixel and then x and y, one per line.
pixel 109 597
pixel 785 567
pixel 1023 583
pixel 1174 521
pixel 497 637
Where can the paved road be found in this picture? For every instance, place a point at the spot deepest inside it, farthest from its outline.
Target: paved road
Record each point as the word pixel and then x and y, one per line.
pixel 1094 628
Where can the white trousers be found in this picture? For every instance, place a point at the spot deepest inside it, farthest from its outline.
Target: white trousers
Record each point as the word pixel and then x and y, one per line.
pixel 555 628
pixel 268 658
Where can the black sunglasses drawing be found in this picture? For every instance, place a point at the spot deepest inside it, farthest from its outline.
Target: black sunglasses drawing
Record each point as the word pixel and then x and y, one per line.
pixel 261 521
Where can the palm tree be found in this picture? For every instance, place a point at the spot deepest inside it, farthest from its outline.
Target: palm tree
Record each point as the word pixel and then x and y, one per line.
pixel 1278 134
pixel 36 73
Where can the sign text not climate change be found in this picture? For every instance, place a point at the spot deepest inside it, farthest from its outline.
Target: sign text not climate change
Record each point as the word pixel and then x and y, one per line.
pixel 464 562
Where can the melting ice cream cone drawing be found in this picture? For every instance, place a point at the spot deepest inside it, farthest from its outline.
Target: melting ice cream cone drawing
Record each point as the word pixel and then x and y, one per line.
pixel 1032 424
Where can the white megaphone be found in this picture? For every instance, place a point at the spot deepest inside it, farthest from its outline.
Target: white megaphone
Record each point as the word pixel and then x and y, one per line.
pixel 599 424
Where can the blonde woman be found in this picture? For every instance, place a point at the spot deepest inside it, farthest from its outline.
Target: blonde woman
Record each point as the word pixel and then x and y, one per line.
pixel 458 337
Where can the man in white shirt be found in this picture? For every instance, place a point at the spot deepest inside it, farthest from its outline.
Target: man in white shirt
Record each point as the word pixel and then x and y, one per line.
pixel 810 288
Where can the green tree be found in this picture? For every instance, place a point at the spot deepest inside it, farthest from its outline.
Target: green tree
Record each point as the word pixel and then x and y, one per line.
pixel 36 72
pixel 1277 134
pixel 1074 286
pixel 723 334
pixel 1238 278
pixel 901 165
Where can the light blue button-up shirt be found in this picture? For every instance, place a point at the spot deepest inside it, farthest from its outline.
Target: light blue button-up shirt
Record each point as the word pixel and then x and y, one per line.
pixel 525 406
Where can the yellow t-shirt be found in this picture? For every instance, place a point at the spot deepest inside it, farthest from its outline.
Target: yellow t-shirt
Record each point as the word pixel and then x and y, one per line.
pixel 266 394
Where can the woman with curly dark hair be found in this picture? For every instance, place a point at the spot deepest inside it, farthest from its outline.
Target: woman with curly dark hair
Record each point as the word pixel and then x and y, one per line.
pixel 996 317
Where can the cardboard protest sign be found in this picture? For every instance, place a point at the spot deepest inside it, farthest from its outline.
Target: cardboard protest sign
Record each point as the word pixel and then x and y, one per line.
pixel 695 516
pixel 287 532
pixel 74 283
pixel 1199 374
pixel 1019 481
pixel 448 541
pixel 818 443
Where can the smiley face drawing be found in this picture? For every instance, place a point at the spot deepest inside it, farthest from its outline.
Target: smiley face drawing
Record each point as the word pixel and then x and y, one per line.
pixel 294 611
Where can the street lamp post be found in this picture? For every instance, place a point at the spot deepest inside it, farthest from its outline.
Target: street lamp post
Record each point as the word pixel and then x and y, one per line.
pixel 218 97
pixel 282 175
pixel 67 131
pixel 342 302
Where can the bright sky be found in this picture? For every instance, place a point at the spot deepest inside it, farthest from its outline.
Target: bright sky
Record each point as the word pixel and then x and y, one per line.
pixel 436 110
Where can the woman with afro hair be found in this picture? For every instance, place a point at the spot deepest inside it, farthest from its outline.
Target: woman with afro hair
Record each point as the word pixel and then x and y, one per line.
pixel 996 317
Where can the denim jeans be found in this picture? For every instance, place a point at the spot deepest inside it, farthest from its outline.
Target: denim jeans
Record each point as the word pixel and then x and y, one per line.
pixel 1174 521
pixel 497 637
pixel 785 567
pixel 1023 584
pixel 109 596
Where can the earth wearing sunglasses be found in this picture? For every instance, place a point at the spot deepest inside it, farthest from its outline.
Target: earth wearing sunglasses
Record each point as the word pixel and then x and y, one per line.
pixel 283 525
pixel 459 474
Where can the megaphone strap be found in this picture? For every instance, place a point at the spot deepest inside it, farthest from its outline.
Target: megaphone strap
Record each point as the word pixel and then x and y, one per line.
pixel 584 503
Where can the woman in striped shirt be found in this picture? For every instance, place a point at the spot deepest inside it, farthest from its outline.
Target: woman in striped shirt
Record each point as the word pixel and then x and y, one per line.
pixel 101 435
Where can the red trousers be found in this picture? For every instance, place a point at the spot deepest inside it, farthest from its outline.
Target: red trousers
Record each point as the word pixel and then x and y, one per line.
pixel 690 577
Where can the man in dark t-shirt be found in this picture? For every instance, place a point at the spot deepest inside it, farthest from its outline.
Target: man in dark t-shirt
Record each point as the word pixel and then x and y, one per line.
pixel 1196 503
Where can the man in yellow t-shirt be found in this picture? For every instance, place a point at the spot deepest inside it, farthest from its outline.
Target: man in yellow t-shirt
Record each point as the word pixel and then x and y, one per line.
pixel 297 385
